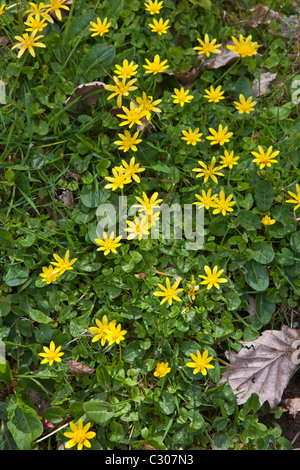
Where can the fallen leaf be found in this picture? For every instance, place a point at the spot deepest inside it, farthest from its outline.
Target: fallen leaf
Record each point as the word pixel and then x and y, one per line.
pixel 263 366
pixel 261 86
pixel 292 405
pixel 186 79
pixel 140 275
pixel 226 57
pixel 65 196
pixel 76 368
pixel 259 15
pixel 88 92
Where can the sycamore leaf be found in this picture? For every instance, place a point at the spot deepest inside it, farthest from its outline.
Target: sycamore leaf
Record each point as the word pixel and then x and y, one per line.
pixel 264 366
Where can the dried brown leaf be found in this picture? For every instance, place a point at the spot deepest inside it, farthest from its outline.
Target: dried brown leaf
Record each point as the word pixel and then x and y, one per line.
pixel 76 368
pixel 226 57
pixel 263 366
pixel 259 15
pixel 292 405
pixel 261 86
pixel 88 92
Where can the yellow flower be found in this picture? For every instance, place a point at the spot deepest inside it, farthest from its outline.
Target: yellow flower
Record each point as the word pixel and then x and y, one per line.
pixel 214 95
pixel 181 96
pixel 137 228
pixel 244 106
pixel 159 27
pixel 156 66
pixel 148 205
pixel 65 264
pixel 212 278
pixel 50 274
pixel 28 42
pixel 244 47
pixel 118 179
pixel 51 354
pixel 35 24
pixel 219 137
pixel 295 197
pixel 100 331
pixel 209 171
pixel 169 293
pixel 126 70
pixel 79 435
pixel 127 141
pixel 153 7
pixel 131 169
pixel 41 8
pixel 120 89
pixel 193 288
pixel 162 369
pixel 207 47
pixel 206 199
pixel 222 205
pixel 192 137
pixel 56 6
pixel 147 105
pixel 133 115
pixel 108 244
pixel 228 159
pixel 266 220
pixel 99 28
pixel 2 9
pixel 264 158
pixel 201 363
pixel 115 334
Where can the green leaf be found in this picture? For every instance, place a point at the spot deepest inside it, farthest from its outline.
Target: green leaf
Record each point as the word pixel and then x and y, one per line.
pixel 249 220
pixel 264 195
pixel 263 253
pixel 16 276
pixel 5 372
pixel 99 411
pixel 133 351
pixel 25 427
pixel 5 238
pixel 264 309
pixel 98 54
pixel 54 414
pixel 295 241
pixel 221 442
pixel 38 316
pixel 257 276
pixel 219 225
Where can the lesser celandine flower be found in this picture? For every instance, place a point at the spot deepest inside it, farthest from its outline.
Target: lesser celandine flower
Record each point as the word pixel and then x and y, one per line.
pixel 266 220
pixel 131 169
pixel 214 95
pixel 115 334
pixel 162 369
pixel 147 205
pixel 160 27
pixel 56 6
pixel 100 331
pixel 49 274
pixel 206 199
pixel 2 9
pixel 221 136
pixel 126 70
pixel 51 354
pixel 133 115
pixel 191 137
pixel 193 288
pixel 200 362
pixel 35 23
pixel 212 278
pixel 244 106
pixel 181 96
pixel 208 171
pixel 118 179
pixel 28 42
pixel 79 435
pixel 153 7
pixel 228 159
pixel 222 204
pixel 265 158
pixel 295 197
pixel 99 28
pixel 137 228
pixel 120 89
pixel 147 105
pixel 128 141
pixel 109 243
pixel 207 47
pixel 63 264
pixel 156 66
pixel 40 8
pixel 169 293
pixel 243 46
